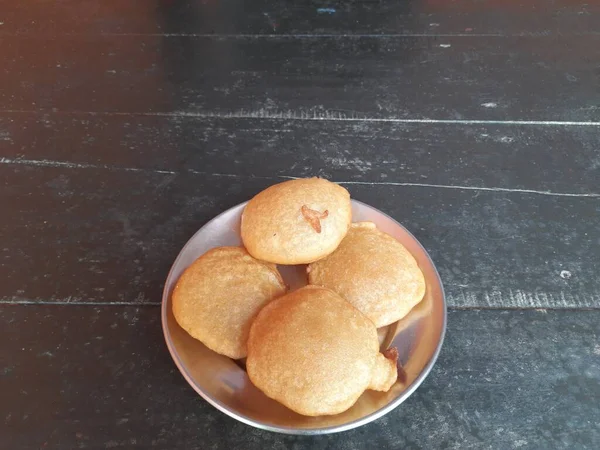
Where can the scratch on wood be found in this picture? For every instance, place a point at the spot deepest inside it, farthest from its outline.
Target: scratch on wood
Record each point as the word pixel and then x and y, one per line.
pixel 5 136
pixel 71 165
pixel 476 188
pixel 516 298
pixel 70 301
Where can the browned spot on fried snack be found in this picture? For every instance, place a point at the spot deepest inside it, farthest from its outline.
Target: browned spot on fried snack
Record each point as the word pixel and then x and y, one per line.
pixel 392 355
pixel 314 217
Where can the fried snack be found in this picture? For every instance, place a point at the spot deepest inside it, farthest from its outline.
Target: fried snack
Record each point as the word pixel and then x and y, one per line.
pixel 297 221
pixel 218 296
pixel 315 353
pixel 374 272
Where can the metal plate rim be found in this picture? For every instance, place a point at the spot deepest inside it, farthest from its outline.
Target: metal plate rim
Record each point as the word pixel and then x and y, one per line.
pixel 304 431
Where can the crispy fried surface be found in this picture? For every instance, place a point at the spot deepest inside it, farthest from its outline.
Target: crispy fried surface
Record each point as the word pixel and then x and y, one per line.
pixel 374 272
pixel 386 371
pixel 297 221
pixel 218 296
pixel 313 352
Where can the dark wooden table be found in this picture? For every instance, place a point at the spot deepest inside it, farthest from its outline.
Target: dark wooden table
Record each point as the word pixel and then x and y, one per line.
pixel 126 124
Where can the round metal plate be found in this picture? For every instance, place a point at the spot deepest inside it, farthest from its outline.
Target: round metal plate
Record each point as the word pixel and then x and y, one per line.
pixel 224 383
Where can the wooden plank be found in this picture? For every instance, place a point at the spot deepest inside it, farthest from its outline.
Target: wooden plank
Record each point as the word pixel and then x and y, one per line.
pixel 543 158
pixel 86 377
pixel 288 17
pixel 107 235
pixel 395 78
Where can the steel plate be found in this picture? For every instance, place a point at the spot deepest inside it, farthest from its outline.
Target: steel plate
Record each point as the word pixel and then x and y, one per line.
pixel 225 384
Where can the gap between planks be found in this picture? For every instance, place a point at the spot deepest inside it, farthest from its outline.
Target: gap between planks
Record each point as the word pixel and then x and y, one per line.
pixel 80 302
pixel 493 298
pixel 73 165
pixel 278 36
pixel 533 34
pixel 307 115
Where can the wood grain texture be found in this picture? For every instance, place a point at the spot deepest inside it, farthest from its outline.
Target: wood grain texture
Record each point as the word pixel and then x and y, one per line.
pixel 547 159
pixel 456 78
pixel 539 17
pixel 97 378
pixel 98 235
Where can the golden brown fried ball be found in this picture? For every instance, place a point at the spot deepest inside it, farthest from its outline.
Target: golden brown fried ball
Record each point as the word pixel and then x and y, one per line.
pixel 297 221
pixel 374 272
pixel 315 353
pixel 218 296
